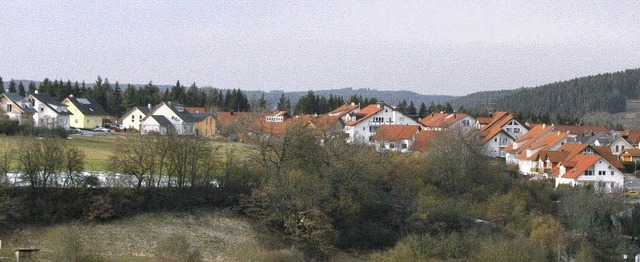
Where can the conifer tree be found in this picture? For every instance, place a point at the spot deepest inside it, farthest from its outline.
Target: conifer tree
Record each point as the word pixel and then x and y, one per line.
pixel 12 86
pixel 21 90
pixel 1 86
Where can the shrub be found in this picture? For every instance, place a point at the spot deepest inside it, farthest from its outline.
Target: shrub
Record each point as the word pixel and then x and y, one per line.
pixel 65 245
pixel 176 248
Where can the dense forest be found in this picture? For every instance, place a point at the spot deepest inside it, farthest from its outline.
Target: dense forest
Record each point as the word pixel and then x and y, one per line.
pixel 599 93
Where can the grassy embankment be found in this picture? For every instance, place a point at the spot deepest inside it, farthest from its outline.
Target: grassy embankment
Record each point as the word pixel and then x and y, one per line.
pixel 214 235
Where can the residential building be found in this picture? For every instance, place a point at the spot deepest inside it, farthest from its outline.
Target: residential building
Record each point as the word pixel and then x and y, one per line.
pixel 87 113
pixel 156 123
pixel 363 124
pixel 630 155
pixel 205 124
pixel 49 112
pixel 501 131
pixel 16 108
pixel 183 122
pixel 396 138
pixel 132 119
pixel 593 170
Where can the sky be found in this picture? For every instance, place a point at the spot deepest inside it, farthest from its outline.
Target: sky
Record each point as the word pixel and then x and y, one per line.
pixel 430 47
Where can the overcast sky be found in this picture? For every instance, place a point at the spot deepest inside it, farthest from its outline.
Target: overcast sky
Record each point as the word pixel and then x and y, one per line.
pixel 430 47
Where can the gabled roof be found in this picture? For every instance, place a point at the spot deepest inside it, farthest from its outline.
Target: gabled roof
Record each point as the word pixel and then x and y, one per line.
pixel 494 127
pixel 605 152
pixel 366 113
pixel 17 100
pixel 344 109
pixel 229 118
pixel 572 149
pixel 553 138
pixel 49 102
pixel 179 110
pixel 493 132
pixel 87 106
pixel 582 163
pixel 396 132
pixel 424 140
pixel 484 120
pixel 632 135
pixel 631 152
pixel 536 133
pixel 441 120
pixel 145 110
pixel 163 121
pixel 200 116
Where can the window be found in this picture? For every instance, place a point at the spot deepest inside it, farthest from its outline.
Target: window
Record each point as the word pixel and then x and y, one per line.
pixel 404 146
pixel 588 173
pixel 378 119
pixel 465 123
pixel 87 120
pixel 392 145
pixel 617 149
pixel 612 173
pixel 602 173
pixel 9 107
pixel 133 118
pixel 76 120
pixel 516 130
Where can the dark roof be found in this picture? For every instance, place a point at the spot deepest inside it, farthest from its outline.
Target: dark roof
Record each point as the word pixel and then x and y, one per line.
pixel 15 97
pixel 49 101
pixel 88 106
pixel 199 116
pixel 183 114
pixel 163 121
pixel 145 110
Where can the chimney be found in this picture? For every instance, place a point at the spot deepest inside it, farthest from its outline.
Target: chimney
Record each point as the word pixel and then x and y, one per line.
pixel 70 95
pixel 353 103
pixel 544 126
pixel 36 91
pixel 149 105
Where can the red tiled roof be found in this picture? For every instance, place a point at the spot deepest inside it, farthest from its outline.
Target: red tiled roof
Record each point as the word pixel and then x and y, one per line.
pixel 441 120
pixel 533 135
pixel 582 163
pixel 606 153
pixel 366 113
pixel 630 152
pixel 551 139
pixel 395 132
pixel 343 109
pixel 632 135
pixel 196 110
pixel 495 126
pixel 424 139
pixel 229 118
pixel 572 149
pixel 484 120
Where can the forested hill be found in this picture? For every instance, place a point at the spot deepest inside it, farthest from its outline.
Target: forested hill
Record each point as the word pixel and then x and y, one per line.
pixel 576 97
pixel 390 97
pixel 481 99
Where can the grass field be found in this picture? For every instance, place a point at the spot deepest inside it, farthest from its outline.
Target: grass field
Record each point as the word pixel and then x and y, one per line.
pixel 215 234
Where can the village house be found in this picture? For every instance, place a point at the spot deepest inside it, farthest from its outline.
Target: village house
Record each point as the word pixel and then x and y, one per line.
pixel 395 138
pixel 501 131
pixel 424 140
pixel 344 111
pixel 133 118
pixel 589 170
pixel 630 155
pixel 49 113
pixel 16 109
pixel 363 124
pixel 182 122
pixel 86 113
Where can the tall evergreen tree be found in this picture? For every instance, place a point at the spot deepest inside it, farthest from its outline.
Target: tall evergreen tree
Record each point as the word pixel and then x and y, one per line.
pixel 262 103
pixel 177 93
pixel 21 91
pixel 1 86
pixel 282 103
pixel 12 86
pixel 423 111
pixel 130 99
pixel 411 110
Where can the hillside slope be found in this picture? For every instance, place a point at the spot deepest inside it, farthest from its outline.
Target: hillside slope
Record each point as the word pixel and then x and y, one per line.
pixel 599 93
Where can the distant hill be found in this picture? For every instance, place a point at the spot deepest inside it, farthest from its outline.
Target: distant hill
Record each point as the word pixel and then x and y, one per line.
pixel 481 99
pixel 599 93
pixel 389 97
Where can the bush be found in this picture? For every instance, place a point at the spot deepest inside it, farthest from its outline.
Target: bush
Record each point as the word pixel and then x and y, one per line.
pixel 65 245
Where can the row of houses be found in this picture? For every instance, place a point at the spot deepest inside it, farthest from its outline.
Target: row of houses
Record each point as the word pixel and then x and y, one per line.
pixel 43 111
pixel 573 155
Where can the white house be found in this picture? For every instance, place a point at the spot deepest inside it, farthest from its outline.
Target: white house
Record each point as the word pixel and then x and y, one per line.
pixel 156 123
pixel 594 170
pixel 182 121
pixel 363 124
pixel 619 145
pixel 500 132
pixel 49 112
pixel 133 118
pixel 397 138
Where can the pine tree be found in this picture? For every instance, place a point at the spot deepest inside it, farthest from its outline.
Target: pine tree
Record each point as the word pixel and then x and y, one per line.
pixel 129 98
pixel 1 86
pixel 76 89
pixel 411 110
pixel 177 93
pixel 262 103
pixel 12 86
pixel 31 88
pixel 423 111
pixel 282 103
pixel 21 90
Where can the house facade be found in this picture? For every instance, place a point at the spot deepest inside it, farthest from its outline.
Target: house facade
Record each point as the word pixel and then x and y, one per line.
pixel 15 108
pixel 156 123
pixel 363 124
pixel 49 112
pixel 501 131
pixel 445 121
pixel 395 138
pixel 86 113
pixel 133 118
pixel 183 122
pixel 589 170
pixel 205 125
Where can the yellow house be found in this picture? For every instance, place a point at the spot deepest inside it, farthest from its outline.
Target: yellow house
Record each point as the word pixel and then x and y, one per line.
pixel 87 113
pixel 205 125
